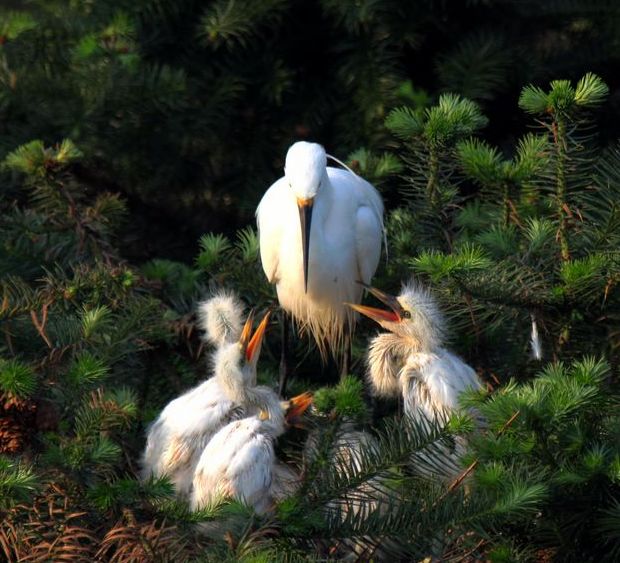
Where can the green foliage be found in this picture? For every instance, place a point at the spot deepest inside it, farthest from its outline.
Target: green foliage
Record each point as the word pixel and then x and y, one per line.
pixel 523 249
pixel 63 223
pixel 563 98
pixel 163 114
pixel 14 24
pixel 17 379
pixel 74 332
pixel 35 160
pixel 437 265
pixel 128 491
pixel 484 164
pixel 374 168
pixel 231 23
pixel 344 400
pixel 452 118
pixel 430 136
pixel 17 483
pixel 213 250
pixel 478 67
pixel 566 418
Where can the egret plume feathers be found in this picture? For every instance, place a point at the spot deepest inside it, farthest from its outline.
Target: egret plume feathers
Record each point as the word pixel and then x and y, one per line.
pixel 337 161
pixel 535 339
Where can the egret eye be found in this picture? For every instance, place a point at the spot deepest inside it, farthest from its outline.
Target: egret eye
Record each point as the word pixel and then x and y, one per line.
pixel 406 315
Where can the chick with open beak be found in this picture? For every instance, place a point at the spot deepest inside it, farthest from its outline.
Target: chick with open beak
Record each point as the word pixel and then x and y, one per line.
pixel 240 462
pixel 410 360
pixel 178 436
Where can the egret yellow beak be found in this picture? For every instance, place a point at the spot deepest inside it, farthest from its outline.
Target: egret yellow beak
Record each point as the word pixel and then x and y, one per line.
pixel 297 406
pixel 253 349
pixel 305 220
pixel 379 315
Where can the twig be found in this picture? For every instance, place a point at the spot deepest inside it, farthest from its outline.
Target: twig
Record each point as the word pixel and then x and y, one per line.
pixel 474 464
pixel 9 340
pixel 462 556
pixel 40 325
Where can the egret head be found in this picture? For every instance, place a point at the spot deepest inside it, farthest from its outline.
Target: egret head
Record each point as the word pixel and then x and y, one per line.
pixel 251 345
pixel 220 318
pixel 413 314
pixel 305 170
pixel 296 407
pixel 235 362
pixel 279 414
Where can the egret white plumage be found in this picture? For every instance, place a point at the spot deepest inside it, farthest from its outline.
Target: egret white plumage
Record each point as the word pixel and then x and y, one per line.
pixel 185 426
pixel 410 360
pixel 220 317
pixel 348 455
pixel 240 462
pixel 320 230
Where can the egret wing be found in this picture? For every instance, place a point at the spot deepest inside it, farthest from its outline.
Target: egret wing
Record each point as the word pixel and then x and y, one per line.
pixel 268 214
pixel 384 365
pixel 447 376
pixel 367 218
pixel 368 235
pixel 178 436
pixel 237 463
pixel 418 401
pixel 251 473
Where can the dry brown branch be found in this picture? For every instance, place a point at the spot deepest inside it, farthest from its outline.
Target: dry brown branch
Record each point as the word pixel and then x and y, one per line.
pixel 40 325
pixel 48 530
pixel 134 542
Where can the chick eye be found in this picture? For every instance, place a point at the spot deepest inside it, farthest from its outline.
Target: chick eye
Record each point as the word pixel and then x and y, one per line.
pixel 406 315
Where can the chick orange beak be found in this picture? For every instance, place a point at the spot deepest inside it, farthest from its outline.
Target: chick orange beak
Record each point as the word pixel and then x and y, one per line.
pixel 297 406
pixel 244 339
pixel 305 220
pixel 253 348
pixel 379 315
pixel 375 314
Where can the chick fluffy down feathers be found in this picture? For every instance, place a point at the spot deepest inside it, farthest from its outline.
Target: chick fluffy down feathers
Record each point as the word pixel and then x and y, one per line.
pixel 176 439
pixel 221 317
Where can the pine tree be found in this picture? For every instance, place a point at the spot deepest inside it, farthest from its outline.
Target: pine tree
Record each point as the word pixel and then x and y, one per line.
pixel 536 246
pixel 121 121
pixel 173 109
pixel 76 322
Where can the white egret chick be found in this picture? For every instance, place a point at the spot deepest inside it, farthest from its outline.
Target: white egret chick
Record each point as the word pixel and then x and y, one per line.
pixel 320 230
pixel 240 462
pixel 347 456
pixel 410 360
pixel 220 317
pixel 177 438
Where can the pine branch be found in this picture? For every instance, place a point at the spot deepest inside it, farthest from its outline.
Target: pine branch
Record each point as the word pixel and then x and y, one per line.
pixel 17 483
pixel 17 379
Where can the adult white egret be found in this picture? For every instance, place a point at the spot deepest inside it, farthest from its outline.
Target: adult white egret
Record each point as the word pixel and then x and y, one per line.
pixel 185 426
pixel 240 462
pixel 410 360
pixel 320 230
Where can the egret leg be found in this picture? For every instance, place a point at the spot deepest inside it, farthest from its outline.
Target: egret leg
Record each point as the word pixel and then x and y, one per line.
pixel 346 355
pixel 284 357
